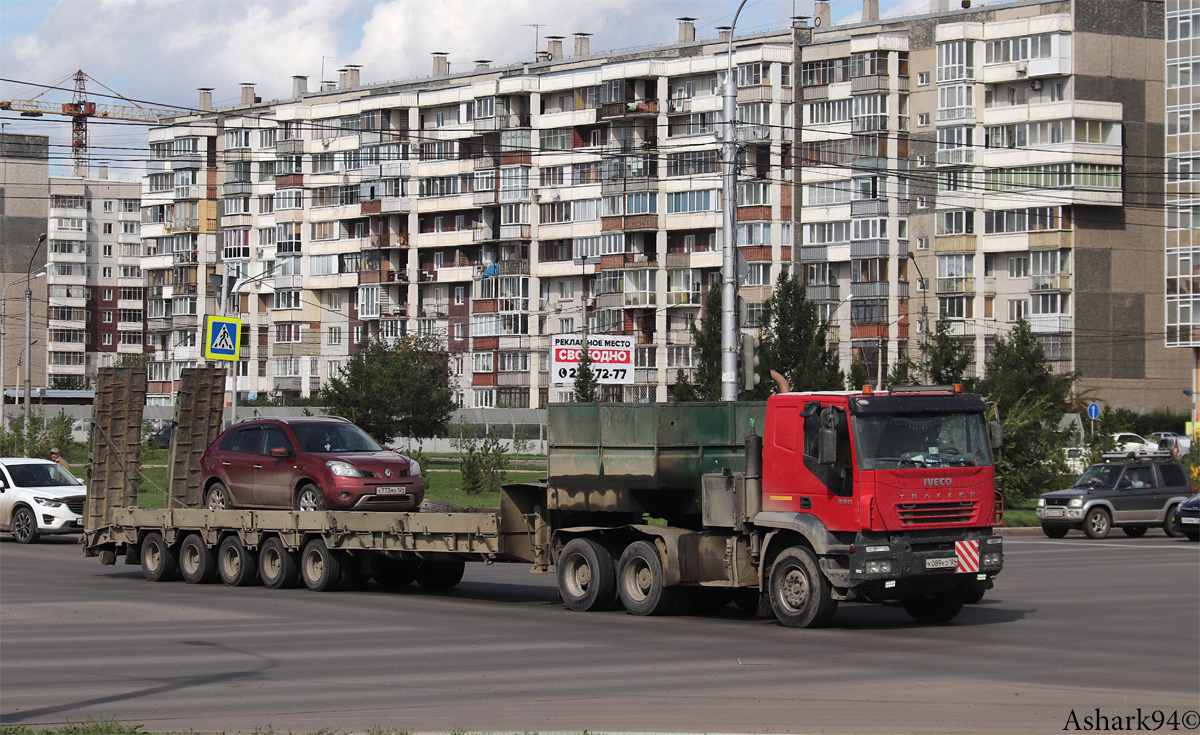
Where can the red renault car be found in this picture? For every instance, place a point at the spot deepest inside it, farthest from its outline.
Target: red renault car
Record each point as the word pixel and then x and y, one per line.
pixel 310 463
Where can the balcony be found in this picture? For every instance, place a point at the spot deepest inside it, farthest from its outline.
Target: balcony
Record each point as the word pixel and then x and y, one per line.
pixel 954 243
pixel 683 298
pixel 515 232
pixel 631 108
pixel 1050 282
pixel 1050 323
pixel 823 293
pixel 486 161
pixel 817 92
pixel 869 208
pixel 956 157
pixel 869 124
pixel 817 253
pixel 956 114
pixel 485 197
pixel 956 285
pixel 234 188
pixel 514 267
pixel 394 169
pixel 191 191
pixel 868 248
pixel 874 83
pixel 482 233
pixel 395 205
pixel 870 289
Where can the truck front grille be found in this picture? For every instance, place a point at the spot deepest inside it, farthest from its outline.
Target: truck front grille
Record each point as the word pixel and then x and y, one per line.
pixel 947 512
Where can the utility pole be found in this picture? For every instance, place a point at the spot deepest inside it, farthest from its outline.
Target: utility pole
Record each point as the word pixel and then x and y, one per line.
pixel 29 333
pixel 729 335
pixel 4 343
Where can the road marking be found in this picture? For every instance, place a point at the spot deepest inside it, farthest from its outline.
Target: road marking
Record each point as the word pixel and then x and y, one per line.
pixel 1092 544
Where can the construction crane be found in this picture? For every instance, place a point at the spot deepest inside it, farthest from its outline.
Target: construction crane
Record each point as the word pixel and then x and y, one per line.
pixel 79 109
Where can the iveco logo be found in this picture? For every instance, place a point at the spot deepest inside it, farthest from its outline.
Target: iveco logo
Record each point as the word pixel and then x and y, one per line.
pixel 937 481
pixel 387 471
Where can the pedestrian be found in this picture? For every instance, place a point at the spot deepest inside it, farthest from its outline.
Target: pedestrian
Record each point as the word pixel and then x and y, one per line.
pixel 59 459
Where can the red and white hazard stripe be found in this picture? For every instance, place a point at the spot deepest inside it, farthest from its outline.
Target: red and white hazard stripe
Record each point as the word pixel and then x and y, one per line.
pixel 968 556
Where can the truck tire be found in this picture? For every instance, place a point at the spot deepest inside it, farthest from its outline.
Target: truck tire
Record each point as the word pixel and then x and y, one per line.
pixel 320 568
pixel 586 578
pixel 237 565
pixel 752 601
pixel 640 581
pixel 940 607
pixel 1055 531
pixel 974 594
pixel 159 563
pixel 394 573
pixel 800 595
pixel 1134 531
pixel 440 575
pixel 432 505
pixel 1169 522
pixel 1097 523
pixel 277 566
pixel 197 563
pixel 24 526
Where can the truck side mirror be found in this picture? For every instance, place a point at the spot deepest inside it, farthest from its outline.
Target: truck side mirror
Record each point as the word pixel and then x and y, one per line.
pixel 996 434
pixel 827 437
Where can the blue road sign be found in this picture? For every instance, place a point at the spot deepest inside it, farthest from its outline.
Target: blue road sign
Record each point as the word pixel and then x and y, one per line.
pixel 222 338
pixel 1093 411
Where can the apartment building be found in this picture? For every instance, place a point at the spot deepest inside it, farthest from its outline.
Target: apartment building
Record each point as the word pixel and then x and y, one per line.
pixel 489 208
pixel 94 279
pixel 981 165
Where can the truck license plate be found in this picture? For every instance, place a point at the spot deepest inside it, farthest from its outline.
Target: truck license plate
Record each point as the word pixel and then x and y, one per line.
pixel 950 563
pixel 1055 512
pixel 1190 521
pixel 390 490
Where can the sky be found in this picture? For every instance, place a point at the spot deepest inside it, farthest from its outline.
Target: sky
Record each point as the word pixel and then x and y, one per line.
pixel 157 52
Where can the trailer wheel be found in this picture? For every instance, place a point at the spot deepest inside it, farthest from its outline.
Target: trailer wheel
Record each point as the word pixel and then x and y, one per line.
pixel 394 573
pixel 640 581
pixel 159 563
pixel 277 566
pixel 236 564
pixel 800 595
pixel 586 578
pixel 320 568
pixel 197 563
pixel 940 607
pixel 440 575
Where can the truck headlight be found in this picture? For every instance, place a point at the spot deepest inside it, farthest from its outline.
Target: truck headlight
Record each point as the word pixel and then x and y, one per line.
pixel 343 469
pixel 878 566
pixel 1075 503
pixel 48 502
pixel 991 559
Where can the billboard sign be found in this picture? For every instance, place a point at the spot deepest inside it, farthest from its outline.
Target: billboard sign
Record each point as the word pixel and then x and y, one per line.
pixel 611 354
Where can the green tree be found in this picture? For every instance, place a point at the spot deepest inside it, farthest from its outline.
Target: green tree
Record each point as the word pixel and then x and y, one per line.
pixel 587 386
pixel 859 376
pixel 904 372
pixel 393 391
pixel 1031 461
pixel 706 385
pixel 944 358
pixel 793 342
pixel 1019 370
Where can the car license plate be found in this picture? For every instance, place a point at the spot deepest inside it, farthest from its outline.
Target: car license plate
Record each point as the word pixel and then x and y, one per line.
pixel 391 490
pixel 1190 521
pixel 1055 512
pixel 951 563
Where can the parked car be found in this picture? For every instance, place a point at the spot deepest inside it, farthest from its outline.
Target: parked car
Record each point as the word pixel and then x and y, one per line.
pixel 1129 442
pixel 309 463
pixel 161 439
pixel 1187 518
pixel 37 498
pixel 1177 444
pixel 1076 459
pixel 1134 495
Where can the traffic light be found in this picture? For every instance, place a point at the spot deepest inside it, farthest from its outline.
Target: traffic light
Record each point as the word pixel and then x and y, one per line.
pixel 750 376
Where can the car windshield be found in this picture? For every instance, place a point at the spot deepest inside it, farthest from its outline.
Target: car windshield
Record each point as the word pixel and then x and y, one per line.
pixel 888 441
pixel 41 475
pixel 1099 475
pixel 333 437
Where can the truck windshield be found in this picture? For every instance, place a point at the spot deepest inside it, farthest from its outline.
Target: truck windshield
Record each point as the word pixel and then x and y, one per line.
pixel 892 440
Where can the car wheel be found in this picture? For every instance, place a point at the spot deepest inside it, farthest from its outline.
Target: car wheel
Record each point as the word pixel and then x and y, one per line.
pixel 640 581
pixel 800 595
pixel 1097 523
pixel 277 566
pixel 237 565
pixel 216 497
pixel 308 498
pixel 431 505
pixel 1169 522
pixel 1055 531
pixel 1134 531
pixel 941 607
pixel 159 563
pixel 440 575
pixel 197 563
pixel 586 577
pixel 320 568
pixel 24 526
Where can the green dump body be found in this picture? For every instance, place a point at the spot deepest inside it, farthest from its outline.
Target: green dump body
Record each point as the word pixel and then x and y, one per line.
pixel 647 446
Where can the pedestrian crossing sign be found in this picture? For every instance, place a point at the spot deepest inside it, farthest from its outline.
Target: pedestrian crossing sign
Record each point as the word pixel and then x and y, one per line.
pixel 221 338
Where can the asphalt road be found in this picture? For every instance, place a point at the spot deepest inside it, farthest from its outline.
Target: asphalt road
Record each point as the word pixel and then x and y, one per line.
pixel 1072 625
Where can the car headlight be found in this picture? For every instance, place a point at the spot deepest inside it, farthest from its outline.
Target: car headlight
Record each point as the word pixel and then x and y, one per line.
pixel 48 502
pixel 1075 503
pixel 414 467
pixel 343 469
pixel 1041 502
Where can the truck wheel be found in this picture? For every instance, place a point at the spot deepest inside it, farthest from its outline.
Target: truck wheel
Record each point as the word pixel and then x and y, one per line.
pixel 752 602
pixel 1134 531
pixel 800 595
pixel 277 566
pixel 640 581
pixel 586 578
pixel 197 564
pixel 1097 523
pixel 440 575
pixel 159 563
pixel 320 568
pixel 236 564
pixel 394 573
pixel 309 497
pixel 1055 531
pixel 1169 522
pixel 940 607
pixel 974 594
pixel 24 526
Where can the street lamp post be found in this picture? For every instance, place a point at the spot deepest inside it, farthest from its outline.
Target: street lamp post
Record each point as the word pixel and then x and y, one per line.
pixel 4 338
pixel 29 332
pixel 729 336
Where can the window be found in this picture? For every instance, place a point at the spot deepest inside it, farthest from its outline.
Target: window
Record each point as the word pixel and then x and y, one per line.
pixel 287 299
pixel 691 201
pixel 1018 267
pixel 955 60
pixel 642 203
pixel 368 301
pixel 334 335
pixel 556 139
pixel 333 300
pixel 922 119
pixel 960 222
pixel 922 79
pixel 288 332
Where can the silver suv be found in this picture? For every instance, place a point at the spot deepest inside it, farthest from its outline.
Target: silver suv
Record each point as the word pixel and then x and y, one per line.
pixel 1133 494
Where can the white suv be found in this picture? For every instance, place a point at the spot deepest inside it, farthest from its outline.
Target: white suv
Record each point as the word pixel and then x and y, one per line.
pixel 38 497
